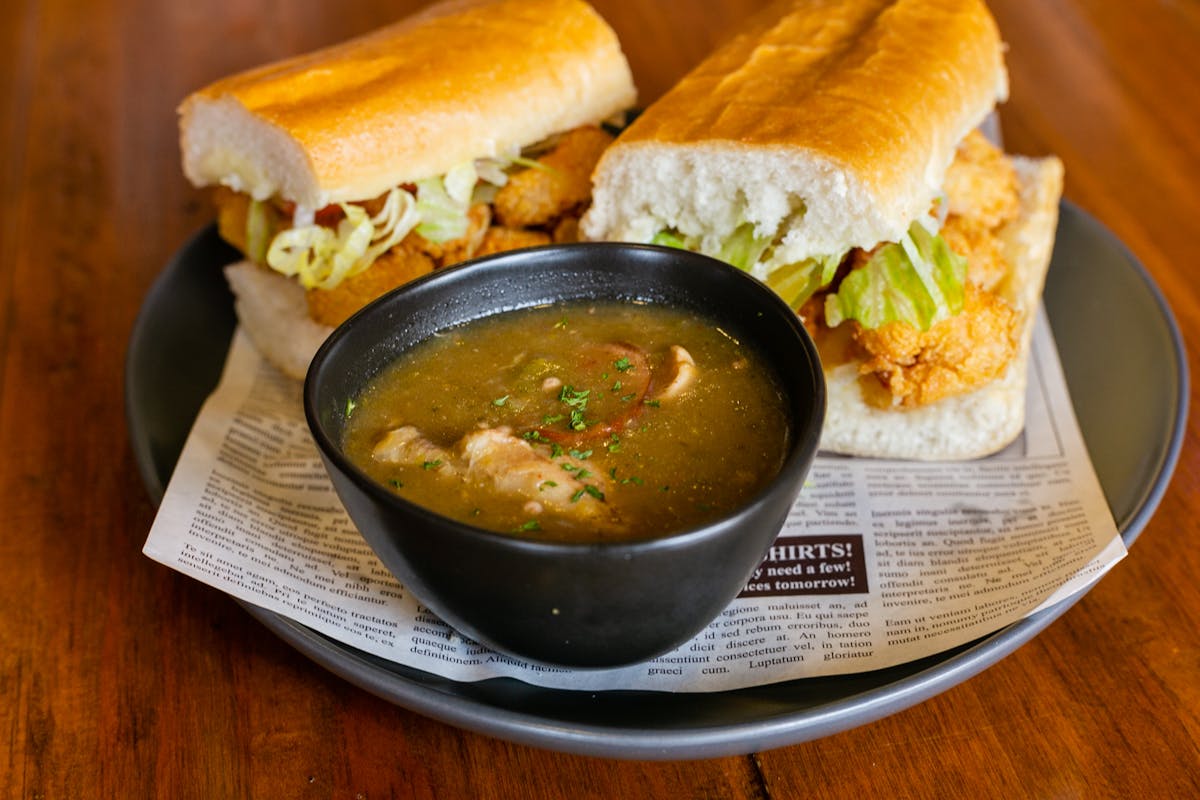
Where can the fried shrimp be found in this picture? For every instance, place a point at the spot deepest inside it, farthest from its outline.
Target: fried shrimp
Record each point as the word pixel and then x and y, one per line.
pixel 399 265
pixel 444 254
pixel 956 355
pixel 540 195
pixel 981 183
pixel 498 239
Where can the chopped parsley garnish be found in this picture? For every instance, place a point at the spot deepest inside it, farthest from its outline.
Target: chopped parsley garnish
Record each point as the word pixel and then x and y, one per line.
pixel 350 406
pixel 580 455
pixel 544 485
pixel 579 472
pixel 590 490
pixel 614 443
pixel 616 387
pixel 635 480
pixel 623 364
pixel 500 401
pixel 555 450
pixel 529 525
pixel 577 401
pixel 653 403
pixel 437 462
pixel 550 419
pixel 395 484
pixel 561 324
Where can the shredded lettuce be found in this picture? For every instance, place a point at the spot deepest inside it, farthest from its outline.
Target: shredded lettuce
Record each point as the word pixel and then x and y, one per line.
pixel 443 214
pixel 918 281
pixel 323 257
pixel 743 249
pixel 794 282
pixel 669 238
pixel 797 282
pixel 258 231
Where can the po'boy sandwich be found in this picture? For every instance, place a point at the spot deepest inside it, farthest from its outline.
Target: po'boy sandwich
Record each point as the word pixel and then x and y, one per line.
pixel 832 150
pixel 469 128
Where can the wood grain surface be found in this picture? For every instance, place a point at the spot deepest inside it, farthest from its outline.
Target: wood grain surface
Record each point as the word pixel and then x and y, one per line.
pixel 121 678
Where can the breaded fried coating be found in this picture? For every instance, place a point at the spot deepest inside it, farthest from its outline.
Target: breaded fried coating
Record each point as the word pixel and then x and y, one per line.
pixel 399 265
pixel 538 196
pixel 981 183
pixel 566 231
pixel 232 210
pixel 498 239
pixel 479 217
pixel 954 356
pixel 986 265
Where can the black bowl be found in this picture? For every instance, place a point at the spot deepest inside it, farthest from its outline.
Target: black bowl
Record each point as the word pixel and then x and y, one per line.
pixel 580 605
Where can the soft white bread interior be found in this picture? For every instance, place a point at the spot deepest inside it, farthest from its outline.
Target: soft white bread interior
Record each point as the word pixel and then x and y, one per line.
pixel 458 81
pixel 987 419
pixel 829 122
pixel 272 310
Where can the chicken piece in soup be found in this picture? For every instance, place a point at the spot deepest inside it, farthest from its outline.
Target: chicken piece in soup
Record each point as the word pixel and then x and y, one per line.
pixel 580 421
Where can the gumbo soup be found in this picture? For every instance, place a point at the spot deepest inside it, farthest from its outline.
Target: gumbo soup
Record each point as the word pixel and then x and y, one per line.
pixel 579 421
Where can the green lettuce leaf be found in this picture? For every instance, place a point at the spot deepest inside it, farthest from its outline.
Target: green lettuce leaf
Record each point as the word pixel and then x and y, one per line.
pixel 323 257
pixel 918 281
pixel 669 238
pixel 796 282
pixel 443 217
pixel 743 249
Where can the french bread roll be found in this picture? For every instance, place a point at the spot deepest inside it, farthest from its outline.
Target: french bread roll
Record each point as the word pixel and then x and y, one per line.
pixel 817 143
pixel 977 423
pixel 458 81
pixel 832 121
pixel 347 171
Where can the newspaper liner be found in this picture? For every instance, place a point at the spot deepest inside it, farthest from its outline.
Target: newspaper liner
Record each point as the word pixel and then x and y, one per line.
pixel 879 562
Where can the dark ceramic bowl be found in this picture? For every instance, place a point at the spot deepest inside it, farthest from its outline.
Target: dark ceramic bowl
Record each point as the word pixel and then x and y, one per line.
pixel 582 605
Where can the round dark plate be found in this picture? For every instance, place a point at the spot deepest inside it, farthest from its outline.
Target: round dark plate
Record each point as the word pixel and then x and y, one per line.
pixel 1108 317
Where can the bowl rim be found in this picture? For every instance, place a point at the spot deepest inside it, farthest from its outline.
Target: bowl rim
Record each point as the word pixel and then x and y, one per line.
pixel 805 438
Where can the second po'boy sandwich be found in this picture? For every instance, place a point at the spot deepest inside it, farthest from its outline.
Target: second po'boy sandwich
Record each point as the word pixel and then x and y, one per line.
pixel 831 149
pixel 469 128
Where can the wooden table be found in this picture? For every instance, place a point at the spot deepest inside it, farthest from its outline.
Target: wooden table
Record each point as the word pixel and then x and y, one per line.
pixel 121 678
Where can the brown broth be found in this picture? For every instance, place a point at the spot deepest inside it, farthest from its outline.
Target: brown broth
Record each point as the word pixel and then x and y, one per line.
pixel 584 436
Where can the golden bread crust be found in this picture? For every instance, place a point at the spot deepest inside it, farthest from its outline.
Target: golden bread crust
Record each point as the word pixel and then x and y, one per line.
pixel 885 88
pixel 848 110
pixel 459 81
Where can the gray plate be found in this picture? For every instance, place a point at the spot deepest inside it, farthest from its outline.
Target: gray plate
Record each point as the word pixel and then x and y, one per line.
pixel 1109 320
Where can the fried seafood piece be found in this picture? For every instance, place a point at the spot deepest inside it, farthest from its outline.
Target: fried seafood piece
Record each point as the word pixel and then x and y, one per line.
pixel 444 254
pixel 538 196
pixel 498 239
pixel 232 210
pixel 399 265
pixel 986 264
pixel 566 230
pixel 956 355
pixel 981 183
